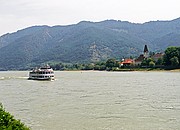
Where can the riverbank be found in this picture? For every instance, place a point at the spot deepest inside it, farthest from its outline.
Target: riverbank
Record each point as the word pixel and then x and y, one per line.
pixel 175 70
pixel 144 69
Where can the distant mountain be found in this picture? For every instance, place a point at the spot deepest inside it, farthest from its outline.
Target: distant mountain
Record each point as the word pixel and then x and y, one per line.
pixel 85 42
pixel 171 39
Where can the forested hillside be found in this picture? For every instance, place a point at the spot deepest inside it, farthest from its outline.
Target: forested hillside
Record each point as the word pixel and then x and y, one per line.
pixel 85 42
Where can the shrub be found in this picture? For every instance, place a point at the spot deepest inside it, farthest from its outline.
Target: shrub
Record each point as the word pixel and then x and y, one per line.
pixel 7 121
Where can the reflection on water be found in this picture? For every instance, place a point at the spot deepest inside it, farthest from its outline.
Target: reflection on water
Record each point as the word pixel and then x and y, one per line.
pixel 94 100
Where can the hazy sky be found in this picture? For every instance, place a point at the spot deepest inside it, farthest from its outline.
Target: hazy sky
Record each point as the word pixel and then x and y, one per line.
pixel 19 14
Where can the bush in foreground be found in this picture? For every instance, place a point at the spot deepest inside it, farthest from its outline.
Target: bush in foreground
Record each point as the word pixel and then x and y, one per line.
pixel 7 121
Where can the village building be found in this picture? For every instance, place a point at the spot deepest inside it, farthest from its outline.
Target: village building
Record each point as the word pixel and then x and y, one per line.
pixel 127 62
pixel 136 62
pixel 157 56
pixel 139 60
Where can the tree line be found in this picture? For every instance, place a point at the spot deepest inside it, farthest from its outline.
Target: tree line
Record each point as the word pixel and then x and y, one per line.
pixel 170 59
pixel 172 56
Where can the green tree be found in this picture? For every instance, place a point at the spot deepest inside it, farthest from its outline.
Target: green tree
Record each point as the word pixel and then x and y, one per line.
pixel 59 66
pixel 174 61
pixel 7 121
pixel 179 54
pixel 159 61
pixel 147 61
pixel 89 67
pixel 112 63
pixel 144 62
pixel 151 64
pixel 171 52
pixel 102 67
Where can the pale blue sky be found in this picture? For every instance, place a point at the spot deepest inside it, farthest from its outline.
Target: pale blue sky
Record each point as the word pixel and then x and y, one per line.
pixel 19 14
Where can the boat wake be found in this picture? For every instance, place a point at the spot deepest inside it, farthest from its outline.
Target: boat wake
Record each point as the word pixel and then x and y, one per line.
pixel 8 78
pixel 2 78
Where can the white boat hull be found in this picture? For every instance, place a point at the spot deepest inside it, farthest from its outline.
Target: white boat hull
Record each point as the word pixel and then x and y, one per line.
pixel 44 73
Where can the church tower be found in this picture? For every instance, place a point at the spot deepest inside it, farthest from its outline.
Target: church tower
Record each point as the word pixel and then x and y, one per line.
pixel 146 52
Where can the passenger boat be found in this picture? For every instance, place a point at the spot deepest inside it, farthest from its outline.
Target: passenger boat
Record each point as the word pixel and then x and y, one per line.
pixel 42 73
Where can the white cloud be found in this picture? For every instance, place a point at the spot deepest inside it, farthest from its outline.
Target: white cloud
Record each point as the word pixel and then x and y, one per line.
pixel 17 14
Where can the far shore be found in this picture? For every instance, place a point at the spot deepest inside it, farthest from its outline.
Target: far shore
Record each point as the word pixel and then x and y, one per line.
pixel 118 70
pixel 128 70
pixel 148 70
pixel 175 70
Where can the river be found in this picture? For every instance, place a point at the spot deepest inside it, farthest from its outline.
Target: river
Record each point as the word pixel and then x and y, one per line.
pixel 92 100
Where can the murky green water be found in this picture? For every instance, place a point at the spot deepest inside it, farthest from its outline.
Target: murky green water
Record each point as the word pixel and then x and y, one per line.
pixel 94 100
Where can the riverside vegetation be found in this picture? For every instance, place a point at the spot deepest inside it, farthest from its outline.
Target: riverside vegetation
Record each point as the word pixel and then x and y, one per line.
pixel 7 121
pixel 171 60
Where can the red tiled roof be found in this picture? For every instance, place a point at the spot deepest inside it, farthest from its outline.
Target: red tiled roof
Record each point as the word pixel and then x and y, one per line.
pixel 127 61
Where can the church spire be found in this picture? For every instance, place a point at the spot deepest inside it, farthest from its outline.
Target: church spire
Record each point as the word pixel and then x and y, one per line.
pixel 146 52
pixel 145 49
